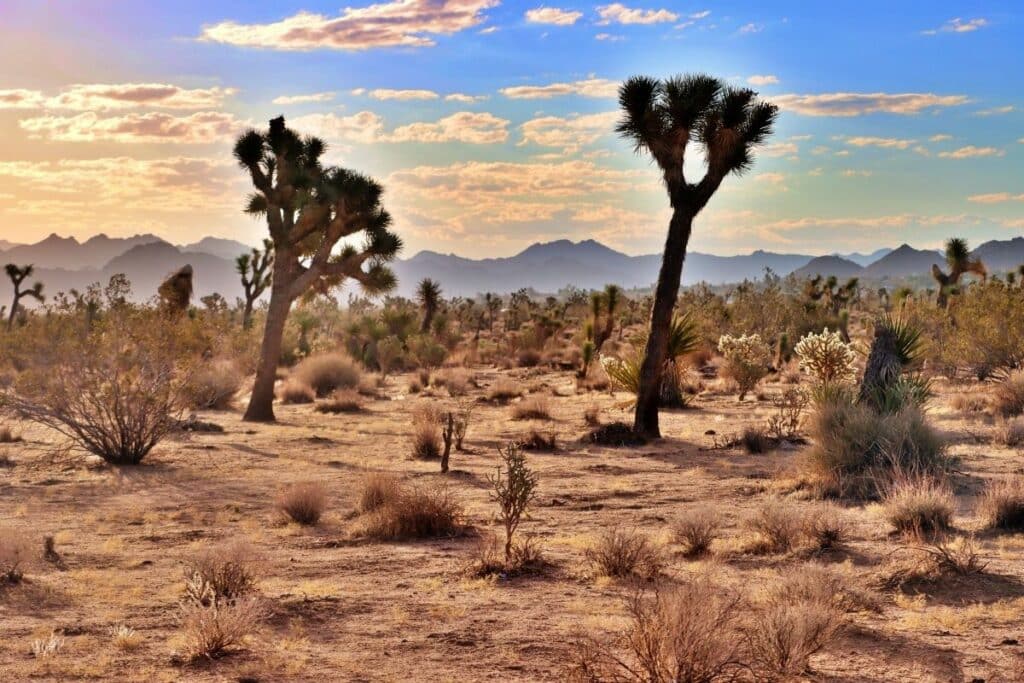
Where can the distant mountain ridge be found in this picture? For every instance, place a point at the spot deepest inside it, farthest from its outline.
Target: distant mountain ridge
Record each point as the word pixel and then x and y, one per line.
pixel 65 263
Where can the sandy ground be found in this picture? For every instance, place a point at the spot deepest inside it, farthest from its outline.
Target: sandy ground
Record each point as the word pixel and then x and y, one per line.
pixel 345 610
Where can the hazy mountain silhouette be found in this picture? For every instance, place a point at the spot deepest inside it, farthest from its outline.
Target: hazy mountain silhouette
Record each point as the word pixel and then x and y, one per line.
pixel 865 259
pixel 65 263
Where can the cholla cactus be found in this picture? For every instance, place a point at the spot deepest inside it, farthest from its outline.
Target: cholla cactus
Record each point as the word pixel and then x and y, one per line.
pixel 747 359
pixel 827 357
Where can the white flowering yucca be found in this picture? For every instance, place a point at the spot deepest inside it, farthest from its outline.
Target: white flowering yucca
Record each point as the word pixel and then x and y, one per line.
pixel 826 357
pixel 747 359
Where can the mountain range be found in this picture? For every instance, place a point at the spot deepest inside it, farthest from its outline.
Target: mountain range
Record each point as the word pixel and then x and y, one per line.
pixel 63 263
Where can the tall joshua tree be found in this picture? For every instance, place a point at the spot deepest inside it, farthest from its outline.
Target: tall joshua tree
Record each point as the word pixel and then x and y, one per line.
pixel 309 209
pixel 255 271
pixel 428 293
pixel 662 118
pixel 18 276
pixel 958 258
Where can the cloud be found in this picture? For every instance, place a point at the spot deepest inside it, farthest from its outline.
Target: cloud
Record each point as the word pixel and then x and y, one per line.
pixel 970 151
pixel 996 198
pixel 302 99
pixel 591 87
pixel 568 133
pixel 394 23
pixel 751 28
pixel 617 13
pixel 21 99
pixel 403 95
pixel 552 15
pixel 776 180
pixel 996 111
pixel 464 98
pixel 855 173
pixel 858 104
pixel 779 149
pixel 367 127
pixel 958 25
pixel 766 79
pixel 151 127
pixel 104 97
pixel 940 137
pixel 609 37
pixel 884 143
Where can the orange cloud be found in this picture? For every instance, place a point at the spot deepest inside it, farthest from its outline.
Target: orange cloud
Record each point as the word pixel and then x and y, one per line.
pixel 199 128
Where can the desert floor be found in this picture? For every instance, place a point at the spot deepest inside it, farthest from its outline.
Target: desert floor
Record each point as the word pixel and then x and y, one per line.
pixel 356 610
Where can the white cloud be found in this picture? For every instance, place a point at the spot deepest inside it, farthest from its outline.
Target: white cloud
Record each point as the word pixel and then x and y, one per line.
pixel 617 13
pixel 21 99
pixel 109 96
pixel 464 98
pixel 394 23
pixel 779 149
pixel 859 104
pixel 591 87
pixel 996 198
pixel 884 143
pixel 940 137
pixel 367 127
pixel 958 25
pixel 855 173
pixel 568 133
pixel 996 111
pixel 302 99
pixel 610 37
pixel 403 95
pixel 970 151
pixel 553 15
pixel 151 127
pixel 751 28
pixel 766 79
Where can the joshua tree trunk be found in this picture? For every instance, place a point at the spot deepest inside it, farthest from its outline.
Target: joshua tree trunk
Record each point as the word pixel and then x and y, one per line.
pixel 247 314
pixel 645 418
pixel 883 365
pixel 261 405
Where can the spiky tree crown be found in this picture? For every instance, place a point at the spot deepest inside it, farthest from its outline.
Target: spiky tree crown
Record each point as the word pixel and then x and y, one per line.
pixel 662 117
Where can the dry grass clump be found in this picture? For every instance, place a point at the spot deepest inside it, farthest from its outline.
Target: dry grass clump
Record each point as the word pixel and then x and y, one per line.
pixel 343 401
pixel 7 435
pixel 540 442
pixel 370 385
pixel 532 408
pixel 623 554
pixel 696 530
pixel 327 372
pixel 1008 395
pixel 47 647
pixel 379 489
pixel 219 628
pixel 1010 432
pixel 688 633
pixel 222 572
pixel 304 502
pixel 528 358
pixel 504 390
pixel 825 527
pixel 415 512
pixel 294 391
pixel 616 434
pixel 778 525
pixel 415 386
pixel 214 385
pixel 916 506
pixel 969 403
pixel 14 554
pixel 1002 504
pixel 456 380
pixel 931 563
pixel 125 638
pixel 592 415
pixel 426 433
pixel 755 440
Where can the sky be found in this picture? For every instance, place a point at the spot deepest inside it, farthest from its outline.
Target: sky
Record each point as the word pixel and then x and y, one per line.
pixel 491 124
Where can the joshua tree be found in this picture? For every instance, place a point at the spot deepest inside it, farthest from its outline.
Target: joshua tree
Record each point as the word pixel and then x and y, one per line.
pixel 428 293
pixel 175 291
pixel 18 276
pixel 662 117
pixel 610 298
pixel 309 209
pixel 492 302
pixel 255 270
pixel 958 258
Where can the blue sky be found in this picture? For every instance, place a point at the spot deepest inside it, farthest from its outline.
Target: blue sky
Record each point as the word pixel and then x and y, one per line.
pixel 491 123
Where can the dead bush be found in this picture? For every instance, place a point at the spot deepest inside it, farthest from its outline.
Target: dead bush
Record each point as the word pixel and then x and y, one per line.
pixel 219 628
pixel 214 384
pixel 1002 504
pixel 379 489
pixel 777 524
pixel 616 434
pixel 528 358
pixel 540 442
pixel 916 506
pixel 696 530
pixel 8 436
pixel 456 380
pixel 592 415
pixel 1010 432
pixel 532 408
pixel 825 527
pixel 295 392
pixel 222 572
pixel 970 403
pixel 304 502
pixel 344 401
pixel 756 440
pixel 1008 395
pixel 426 433
pixel 416 512
pixel 327 372
pixel 14 555
pixel 503 390
pixel 622 554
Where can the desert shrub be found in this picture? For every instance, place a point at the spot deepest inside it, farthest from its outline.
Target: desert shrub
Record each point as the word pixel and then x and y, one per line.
pixel 969 403
pixel 777 524
pixel 696 530
pixel 327 372
pixel 824 527
pixel 463 415
pixel 47 647
pixel 617 434
pixel 344 401
pixel 303 502
pixel 294 391
pixel 826 357
pixel 1010 432
pixel 528 358
pixel 539 441
pixel 755 440
pixel 415 386
pixel 370 385
pixel 222 572
pixel 1008 395
pixel 747 359
pixel 625 554
pixel 532 408
pixel 513 487
pixel 455 380
pixel 125 638
pixel 416 512
pixel 918 505
pixel 1002 504
pixel 219 628
pixel 426 433
pixel 788 419
pixel 687 633
pixel 379 489
pixel 14 555
pixel 592 415
pixel 213 385
pixel 854 446
pixel 115 390
pixel 503 390
pixel 7 435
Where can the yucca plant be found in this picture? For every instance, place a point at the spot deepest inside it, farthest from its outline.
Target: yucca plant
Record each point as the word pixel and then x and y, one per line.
pixel 624 372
